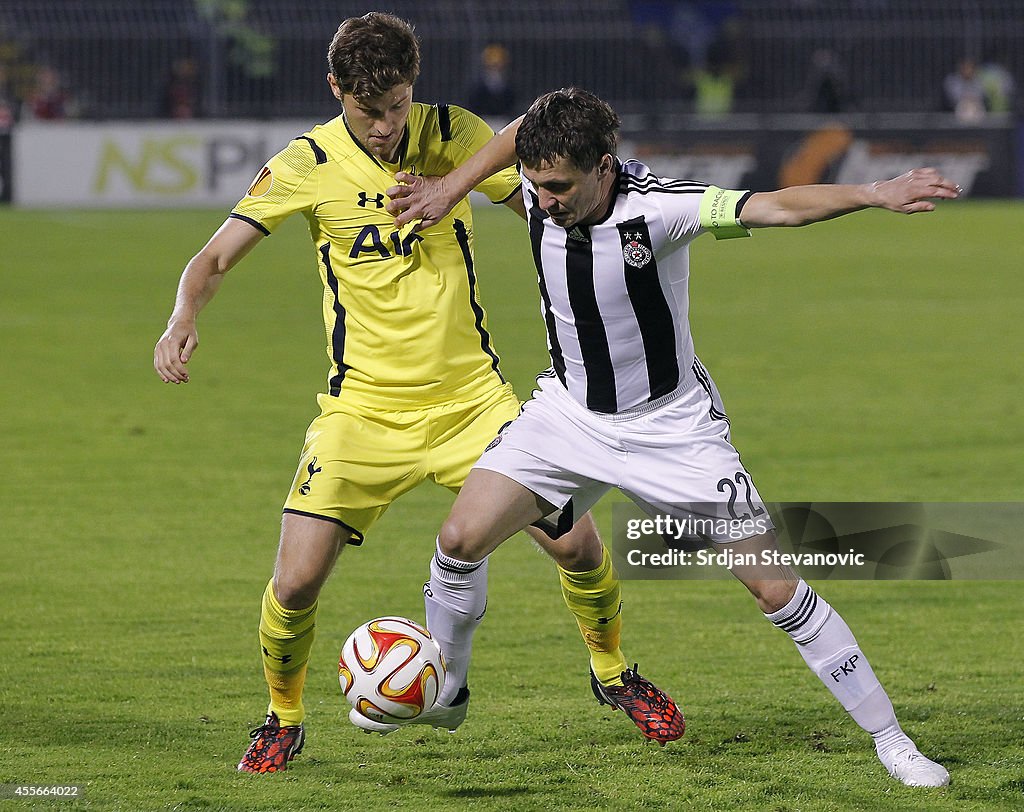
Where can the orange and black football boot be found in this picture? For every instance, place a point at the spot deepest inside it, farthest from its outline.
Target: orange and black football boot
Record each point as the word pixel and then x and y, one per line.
pixel 649 707
pixel 272 747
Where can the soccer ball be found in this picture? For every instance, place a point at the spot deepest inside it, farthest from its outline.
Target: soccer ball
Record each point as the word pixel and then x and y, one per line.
pixel 391 670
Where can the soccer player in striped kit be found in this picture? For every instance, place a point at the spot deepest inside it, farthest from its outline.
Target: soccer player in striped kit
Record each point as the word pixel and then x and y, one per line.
pixel 626 403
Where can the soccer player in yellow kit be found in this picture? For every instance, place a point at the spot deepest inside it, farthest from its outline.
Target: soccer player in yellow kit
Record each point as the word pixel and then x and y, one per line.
pixel 414 390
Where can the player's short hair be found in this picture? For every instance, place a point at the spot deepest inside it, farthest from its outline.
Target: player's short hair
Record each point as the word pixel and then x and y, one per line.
pixel 371 54
pixel 568 123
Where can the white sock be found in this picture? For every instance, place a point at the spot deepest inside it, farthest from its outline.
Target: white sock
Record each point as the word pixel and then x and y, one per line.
pixel 831 651
pixel 455 598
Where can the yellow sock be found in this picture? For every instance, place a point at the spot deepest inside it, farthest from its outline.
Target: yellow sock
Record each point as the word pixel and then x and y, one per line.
pixel 286 637
pixel 595 598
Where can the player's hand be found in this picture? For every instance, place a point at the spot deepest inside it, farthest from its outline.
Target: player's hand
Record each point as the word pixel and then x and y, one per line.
pixel 914 191
pixel 427 199
pixel 173 350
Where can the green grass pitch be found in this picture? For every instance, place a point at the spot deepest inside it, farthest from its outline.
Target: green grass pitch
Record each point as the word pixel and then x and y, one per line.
pixel 874 358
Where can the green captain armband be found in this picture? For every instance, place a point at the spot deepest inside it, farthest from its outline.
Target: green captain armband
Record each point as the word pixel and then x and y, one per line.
pixel 718 213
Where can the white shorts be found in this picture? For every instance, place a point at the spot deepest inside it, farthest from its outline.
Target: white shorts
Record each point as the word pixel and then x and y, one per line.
pixel 672 457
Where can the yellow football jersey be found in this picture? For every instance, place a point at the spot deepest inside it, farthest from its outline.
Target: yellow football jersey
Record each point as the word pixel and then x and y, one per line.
pixel 402 313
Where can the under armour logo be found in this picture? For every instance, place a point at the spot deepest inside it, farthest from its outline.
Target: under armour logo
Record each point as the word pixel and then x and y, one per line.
pixel 284 659
pixel 313 471
pixel 604 621
pixel 365 200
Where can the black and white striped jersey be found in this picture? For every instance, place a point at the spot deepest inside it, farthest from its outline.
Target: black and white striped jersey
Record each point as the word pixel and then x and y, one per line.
pixel 614 294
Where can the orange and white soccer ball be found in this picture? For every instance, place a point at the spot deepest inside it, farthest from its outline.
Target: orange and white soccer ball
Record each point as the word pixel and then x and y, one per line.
pixel 391 669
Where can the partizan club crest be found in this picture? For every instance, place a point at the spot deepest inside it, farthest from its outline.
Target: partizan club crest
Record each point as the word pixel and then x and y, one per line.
pixel 636 254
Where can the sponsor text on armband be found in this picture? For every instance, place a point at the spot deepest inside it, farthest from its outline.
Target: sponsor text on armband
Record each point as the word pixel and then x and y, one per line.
pixel 718 213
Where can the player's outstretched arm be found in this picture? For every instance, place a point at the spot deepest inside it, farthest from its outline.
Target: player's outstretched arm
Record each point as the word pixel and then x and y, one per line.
pixel 199 281
pixel 429 199
pixel 911 192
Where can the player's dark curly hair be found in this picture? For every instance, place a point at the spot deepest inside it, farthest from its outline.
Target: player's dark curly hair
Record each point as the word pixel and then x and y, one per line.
pixel 568 123
pixel 371 54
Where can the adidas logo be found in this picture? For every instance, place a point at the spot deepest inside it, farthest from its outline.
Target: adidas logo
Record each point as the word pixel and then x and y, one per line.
pixel 578 235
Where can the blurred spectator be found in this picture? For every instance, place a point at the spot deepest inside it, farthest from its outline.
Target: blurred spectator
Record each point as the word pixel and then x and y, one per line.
pixel 696 25
pixel 8 108
pixel 964 93
pixel 493 95
pixel 48 100
pixel 651 18
pixel 693 36
pixel 714 85
pixel 181 91
pixel 998 85
pixel 826 90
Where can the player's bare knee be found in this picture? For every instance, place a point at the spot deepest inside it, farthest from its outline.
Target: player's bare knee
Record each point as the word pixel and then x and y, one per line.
pixel 458 540
pixel 579 550
pixel 293 592
pixel 577 554
pixel 772 595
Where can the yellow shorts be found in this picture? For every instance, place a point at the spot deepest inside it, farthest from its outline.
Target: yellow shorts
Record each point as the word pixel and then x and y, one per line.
pixel 357 460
